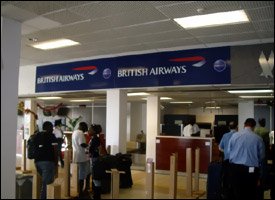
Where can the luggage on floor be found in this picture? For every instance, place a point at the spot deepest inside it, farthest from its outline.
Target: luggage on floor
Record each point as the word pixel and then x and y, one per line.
pixel 124 164
pixel 214 180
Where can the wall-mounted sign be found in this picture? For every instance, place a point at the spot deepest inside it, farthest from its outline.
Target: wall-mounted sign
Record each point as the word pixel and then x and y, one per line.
pixel 175 68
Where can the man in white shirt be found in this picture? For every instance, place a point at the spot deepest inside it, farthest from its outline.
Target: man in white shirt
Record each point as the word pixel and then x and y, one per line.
pixel 188 130
pixel 79 155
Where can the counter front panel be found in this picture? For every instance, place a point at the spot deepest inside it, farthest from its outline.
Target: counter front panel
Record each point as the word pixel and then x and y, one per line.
pixel 165 146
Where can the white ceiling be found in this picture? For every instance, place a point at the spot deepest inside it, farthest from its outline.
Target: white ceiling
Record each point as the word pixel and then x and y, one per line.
pixel 108 28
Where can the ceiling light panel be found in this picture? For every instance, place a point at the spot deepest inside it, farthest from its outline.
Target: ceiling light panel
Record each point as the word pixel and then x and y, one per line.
pixel 214 19
pixel 49 98
pixel 138 94
pixel 249 91
pixel 54 44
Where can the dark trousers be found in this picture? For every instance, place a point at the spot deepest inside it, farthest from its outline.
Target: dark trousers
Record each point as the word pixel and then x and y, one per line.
pixel 226 183
pixel 243 182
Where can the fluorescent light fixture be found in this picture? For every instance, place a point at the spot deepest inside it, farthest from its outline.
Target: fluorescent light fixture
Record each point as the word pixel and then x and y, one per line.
pixel 138 94
pixel 181 102
pixel 249 91
pixel 207 102
pixel 256 97
pixel 80 100
pixel 212 107
pixel 49 98
pixel 214 19
pixel 165 98
pixel 54 44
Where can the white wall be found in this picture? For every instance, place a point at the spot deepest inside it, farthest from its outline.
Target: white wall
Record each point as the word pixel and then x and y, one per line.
pixel 26 84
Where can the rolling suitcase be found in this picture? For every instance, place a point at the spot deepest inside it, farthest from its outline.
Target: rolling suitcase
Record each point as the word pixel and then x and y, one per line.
pixel 214 180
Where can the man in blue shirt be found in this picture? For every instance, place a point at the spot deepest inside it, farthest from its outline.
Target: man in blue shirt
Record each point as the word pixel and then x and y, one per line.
pixel 223 146
pixel 246 152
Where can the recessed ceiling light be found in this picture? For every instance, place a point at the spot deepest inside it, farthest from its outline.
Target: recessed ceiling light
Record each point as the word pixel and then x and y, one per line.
pixel 214 19
pixel 212 107
pixel 249 91
pixel 138 94
pixel 49 98
pixel 181 102
pixel 207 102
pixel 256 97
pixel 165 98
pixel 54 44
pixel 81 100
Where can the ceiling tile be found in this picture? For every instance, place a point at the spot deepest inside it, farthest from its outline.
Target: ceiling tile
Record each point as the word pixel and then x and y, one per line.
pixel 65 17
pixel 42 23
pixel 21 15
pixel 38 7
pixel 142 29
pixel 172 43
pixel 26 29
pixel 264 25
pixel 229 37
pixel 190 8
pixel 261 14
pixel 108 8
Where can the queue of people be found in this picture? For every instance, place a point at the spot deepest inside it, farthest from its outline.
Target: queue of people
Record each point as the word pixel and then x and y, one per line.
pixel 245 152
pixel 87 144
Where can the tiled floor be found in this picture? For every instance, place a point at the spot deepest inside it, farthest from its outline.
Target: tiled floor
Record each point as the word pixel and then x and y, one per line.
pixel 138 190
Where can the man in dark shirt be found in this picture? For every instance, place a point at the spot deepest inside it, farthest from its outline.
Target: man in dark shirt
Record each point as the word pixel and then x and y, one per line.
pixel 46 159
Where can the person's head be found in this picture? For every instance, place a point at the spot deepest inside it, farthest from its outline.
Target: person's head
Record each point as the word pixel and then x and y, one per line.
pixel 83 126
pixel 262 122
pixel 48 127
pixel 58 123
pixel 233 125
pixel 250 122
pixel 96 129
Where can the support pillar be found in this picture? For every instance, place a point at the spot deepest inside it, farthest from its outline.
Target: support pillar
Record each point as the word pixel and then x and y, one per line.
pixel 197 169
pixel 152 126
pixel 10 59
pixel 245 110
pixel 116 120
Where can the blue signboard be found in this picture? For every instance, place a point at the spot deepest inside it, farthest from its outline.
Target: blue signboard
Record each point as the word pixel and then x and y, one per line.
pixel 209 66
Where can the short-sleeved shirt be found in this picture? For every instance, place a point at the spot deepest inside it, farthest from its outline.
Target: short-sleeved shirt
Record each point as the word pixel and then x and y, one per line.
pixel 246 148
pixel 46 143
pixel 188 130
pixel 224 143
pixel 79 153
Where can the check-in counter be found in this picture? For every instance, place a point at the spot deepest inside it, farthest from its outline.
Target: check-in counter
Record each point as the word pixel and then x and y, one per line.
pixel 166 145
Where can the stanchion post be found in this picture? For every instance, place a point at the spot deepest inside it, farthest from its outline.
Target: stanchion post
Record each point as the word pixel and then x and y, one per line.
pixel 150 172
pixel 54 191
pixel 173 176
pixel 189 172
pixel 115 182
pixel 197 169
pixel 24 154
pixel 74 167
pixel 36 186
pixel 67 175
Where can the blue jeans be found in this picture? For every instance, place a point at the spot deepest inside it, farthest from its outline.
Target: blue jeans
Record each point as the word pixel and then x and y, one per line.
pixel 46 169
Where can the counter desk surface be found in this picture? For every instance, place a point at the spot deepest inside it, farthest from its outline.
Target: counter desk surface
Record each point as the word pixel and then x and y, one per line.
pixel 166 145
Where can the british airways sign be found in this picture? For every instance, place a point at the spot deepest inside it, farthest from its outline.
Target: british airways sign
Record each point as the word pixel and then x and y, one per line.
pixel 209 66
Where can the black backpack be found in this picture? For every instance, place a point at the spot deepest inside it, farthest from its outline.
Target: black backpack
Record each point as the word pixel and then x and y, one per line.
pixel 32 147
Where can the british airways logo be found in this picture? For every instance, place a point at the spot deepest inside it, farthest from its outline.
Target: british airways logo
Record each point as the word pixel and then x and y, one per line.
pixel 199 59
pixel 86 68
